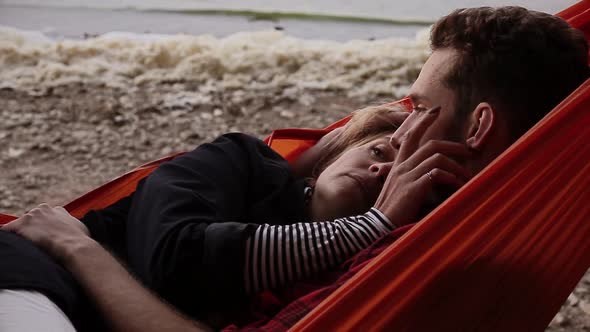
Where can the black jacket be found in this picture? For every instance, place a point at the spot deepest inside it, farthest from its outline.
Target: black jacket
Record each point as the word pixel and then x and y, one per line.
pixel 187 222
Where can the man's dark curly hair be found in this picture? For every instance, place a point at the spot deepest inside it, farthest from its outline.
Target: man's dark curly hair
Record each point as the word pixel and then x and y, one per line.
pixel 520 61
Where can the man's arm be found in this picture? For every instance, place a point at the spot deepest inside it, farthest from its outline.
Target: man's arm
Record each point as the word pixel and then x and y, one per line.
pixel 125 303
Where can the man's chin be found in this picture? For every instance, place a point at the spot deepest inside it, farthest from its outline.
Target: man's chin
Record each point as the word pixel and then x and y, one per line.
pixel 437 196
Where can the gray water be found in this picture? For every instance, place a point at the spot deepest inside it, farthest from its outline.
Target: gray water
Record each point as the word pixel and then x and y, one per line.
pixel 77 23
pixel 428 9
pixel 83 18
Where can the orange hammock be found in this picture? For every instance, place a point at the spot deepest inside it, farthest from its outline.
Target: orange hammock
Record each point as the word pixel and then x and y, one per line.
pixel 502 254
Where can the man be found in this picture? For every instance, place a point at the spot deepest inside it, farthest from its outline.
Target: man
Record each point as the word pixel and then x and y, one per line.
pixel 492 74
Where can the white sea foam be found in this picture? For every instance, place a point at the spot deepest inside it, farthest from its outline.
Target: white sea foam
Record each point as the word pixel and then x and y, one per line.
pixel 249 60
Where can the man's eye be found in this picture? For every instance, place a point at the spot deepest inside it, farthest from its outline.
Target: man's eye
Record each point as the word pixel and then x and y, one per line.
pixel 419 109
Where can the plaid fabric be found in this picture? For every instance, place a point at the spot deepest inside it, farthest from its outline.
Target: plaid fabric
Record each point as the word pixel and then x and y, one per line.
pixel 279 310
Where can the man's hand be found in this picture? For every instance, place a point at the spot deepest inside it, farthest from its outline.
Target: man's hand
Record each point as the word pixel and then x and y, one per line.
pixel 124 302
pixel 51 228
pixel 417 170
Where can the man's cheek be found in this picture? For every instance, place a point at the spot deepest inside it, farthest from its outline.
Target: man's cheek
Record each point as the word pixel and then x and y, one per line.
pixel 436 197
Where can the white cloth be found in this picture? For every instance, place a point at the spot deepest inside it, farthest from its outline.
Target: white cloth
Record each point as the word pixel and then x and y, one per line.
pixel 29 311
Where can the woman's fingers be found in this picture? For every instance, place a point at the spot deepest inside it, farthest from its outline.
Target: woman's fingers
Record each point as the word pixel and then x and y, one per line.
pixel 409 183
pixel 439 154
pixel 408 139
pixel 439 176
pixel 397 117
pixel 386 114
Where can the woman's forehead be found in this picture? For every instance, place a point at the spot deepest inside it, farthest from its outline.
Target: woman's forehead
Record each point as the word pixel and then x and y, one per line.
pixel 384 138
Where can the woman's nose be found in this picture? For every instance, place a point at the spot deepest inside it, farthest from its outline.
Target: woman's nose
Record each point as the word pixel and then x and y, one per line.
pixel 381 170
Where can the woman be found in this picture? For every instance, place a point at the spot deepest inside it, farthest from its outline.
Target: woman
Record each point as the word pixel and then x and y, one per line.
pixel 196 238
pixel 206 210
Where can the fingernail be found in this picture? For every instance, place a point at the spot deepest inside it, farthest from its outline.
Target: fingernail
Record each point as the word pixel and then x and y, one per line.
pixel 434 110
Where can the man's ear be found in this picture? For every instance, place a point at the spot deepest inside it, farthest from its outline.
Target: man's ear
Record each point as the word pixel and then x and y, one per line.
pixel 482 122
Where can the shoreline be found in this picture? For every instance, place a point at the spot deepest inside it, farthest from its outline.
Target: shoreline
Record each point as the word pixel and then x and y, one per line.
pixel 79 23
pixel 379 9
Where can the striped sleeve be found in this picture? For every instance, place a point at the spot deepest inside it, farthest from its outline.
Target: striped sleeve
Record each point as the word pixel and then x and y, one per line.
pixel 280 254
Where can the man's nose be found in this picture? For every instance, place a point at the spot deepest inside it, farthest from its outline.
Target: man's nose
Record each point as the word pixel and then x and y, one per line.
pixel 381 170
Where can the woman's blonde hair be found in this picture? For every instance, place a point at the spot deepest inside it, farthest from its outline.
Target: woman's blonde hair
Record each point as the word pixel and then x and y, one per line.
pixel 365 125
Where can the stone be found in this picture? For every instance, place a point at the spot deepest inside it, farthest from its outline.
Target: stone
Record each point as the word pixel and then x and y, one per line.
pixel 217 112
pixel 206 116
pixel 287 114
pixel 584 306
pixel 15 152
pixel 558 320
pixel 572 300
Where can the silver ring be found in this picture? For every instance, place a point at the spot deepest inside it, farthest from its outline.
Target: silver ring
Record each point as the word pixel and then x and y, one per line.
pixel 429 175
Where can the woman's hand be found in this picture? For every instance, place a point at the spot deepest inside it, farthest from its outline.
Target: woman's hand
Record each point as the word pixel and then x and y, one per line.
pixel 52 229
pixel 417 170
pixel 303 166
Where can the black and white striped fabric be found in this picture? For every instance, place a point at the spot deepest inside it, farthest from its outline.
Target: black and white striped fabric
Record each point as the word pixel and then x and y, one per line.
pixel 279 254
